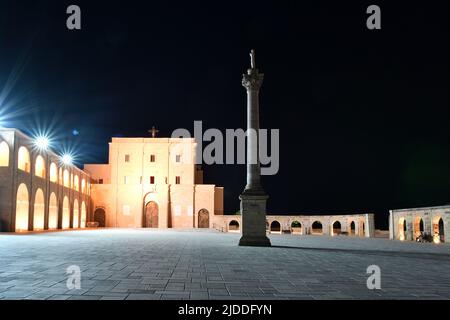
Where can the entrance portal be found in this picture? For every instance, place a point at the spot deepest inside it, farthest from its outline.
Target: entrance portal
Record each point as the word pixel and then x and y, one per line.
pixel 100 217
pixel 151 215
pixel 203 218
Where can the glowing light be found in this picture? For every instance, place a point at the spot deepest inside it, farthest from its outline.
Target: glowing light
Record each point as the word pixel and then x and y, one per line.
pixel 42 143
pixel 436 238
pixel 67 159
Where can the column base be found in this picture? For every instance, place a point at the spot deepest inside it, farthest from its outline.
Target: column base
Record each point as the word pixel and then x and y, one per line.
pixel 255 242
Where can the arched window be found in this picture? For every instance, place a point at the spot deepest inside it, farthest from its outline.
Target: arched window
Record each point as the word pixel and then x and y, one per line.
pixel 53 172
pixel 66 179
pixel 53 212
pixel 4 154
pixel 66 214
pixel 39 209
pixel 75 214
pixel 83 186
pixel 39 169
pixel 76 183
pixel 23 159
pixel 83 215
pixel 22 207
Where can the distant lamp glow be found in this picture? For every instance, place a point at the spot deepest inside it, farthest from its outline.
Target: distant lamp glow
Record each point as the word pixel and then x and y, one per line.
pixel 67 159
pixel 42 143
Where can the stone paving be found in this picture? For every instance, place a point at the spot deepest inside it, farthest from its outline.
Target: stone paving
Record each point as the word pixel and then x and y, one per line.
pixel 204 264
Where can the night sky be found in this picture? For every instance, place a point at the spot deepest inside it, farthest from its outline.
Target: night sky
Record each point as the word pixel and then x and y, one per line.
pixel 363 115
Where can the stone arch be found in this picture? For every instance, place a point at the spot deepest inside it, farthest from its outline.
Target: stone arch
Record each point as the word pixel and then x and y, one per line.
pixel 53 172
pixel 401 228
pixel 233 226
pixel 4 154
pixel 352 228
pixel 151 216
pixel 23 159
pixel 22 208
pixel 275 227
pixel 39 210
pixel 438 229
pixel 203 218
pixel 83 215
pixel 296 227
pixel 336 228
pixel 317 227
pixel 66 213
pixel 100 217
pixel 76 183
pixel 53 212
pixel 75 222
pixel 39 167
pixel 419 227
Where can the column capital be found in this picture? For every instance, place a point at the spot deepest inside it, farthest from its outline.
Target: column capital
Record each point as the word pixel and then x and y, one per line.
pixel 252 80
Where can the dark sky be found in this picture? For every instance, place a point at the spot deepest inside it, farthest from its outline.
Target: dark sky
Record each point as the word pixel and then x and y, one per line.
pixel 363 115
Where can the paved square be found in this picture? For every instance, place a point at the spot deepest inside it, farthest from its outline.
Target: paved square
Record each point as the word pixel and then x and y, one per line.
pixel 204 264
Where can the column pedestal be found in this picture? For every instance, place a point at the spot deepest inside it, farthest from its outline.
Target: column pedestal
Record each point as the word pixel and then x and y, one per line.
pixel 253 211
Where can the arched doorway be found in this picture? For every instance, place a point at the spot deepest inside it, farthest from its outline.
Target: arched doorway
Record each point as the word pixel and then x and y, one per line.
pixel 22 208
pixel 100 217
pixel 401 229
pixel 418 227
pixel 66 214
pixel 39 210
pixel 53 212
pixel 151 215
pixel 336 230
pixel 75 223
pixel 83 215
pixel 438 230
pixel 203 218
pixel 352 229
pixel 233 226
pixel 296 227
pixel 316 227
pixel 275 226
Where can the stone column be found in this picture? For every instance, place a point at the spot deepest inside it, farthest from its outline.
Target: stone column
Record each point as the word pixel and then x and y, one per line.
pixel 253 199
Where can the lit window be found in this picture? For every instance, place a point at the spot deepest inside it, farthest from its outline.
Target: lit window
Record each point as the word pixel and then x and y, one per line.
pixel 4 154
pixel 127 158
pixel 177 180
pixel 152 158
pixel 152 180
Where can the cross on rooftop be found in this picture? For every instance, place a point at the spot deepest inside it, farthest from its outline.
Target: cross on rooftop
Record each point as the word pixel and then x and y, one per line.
pixel 153 131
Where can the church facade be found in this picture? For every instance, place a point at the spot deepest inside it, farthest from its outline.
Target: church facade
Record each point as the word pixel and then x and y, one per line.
pixel 152 183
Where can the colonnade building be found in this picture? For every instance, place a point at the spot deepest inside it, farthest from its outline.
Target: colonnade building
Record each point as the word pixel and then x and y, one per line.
pixel 37 191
